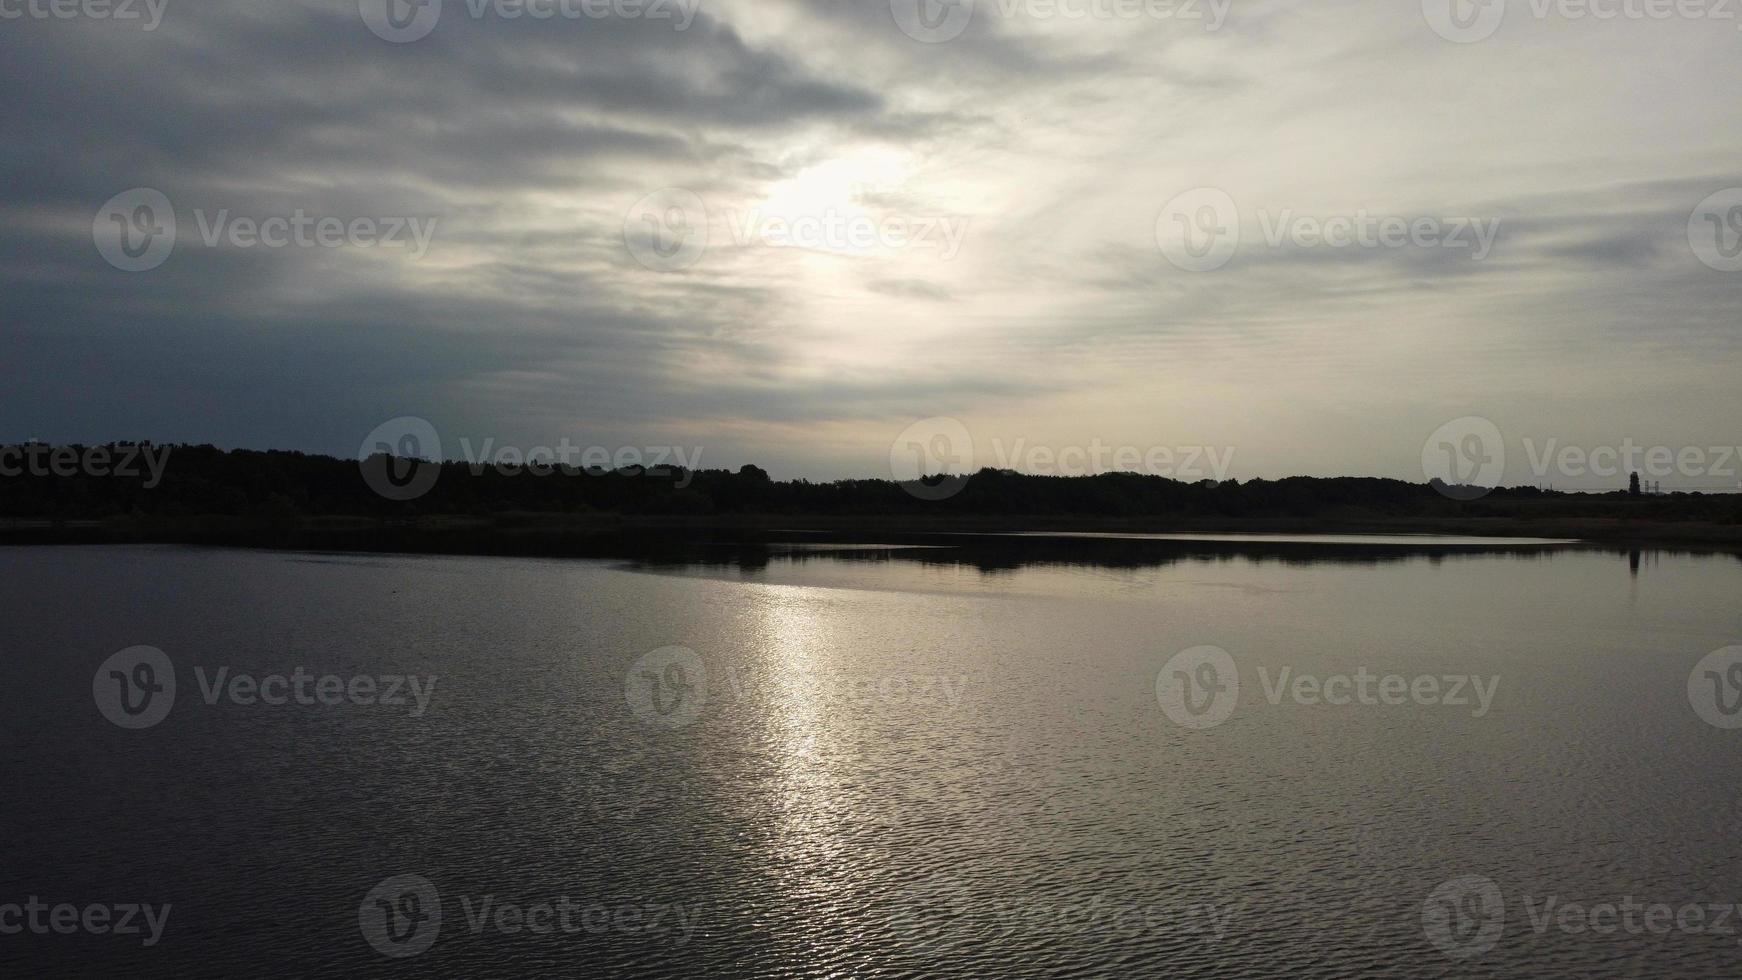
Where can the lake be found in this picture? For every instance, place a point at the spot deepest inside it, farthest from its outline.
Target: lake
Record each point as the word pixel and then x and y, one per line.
pixel 995 756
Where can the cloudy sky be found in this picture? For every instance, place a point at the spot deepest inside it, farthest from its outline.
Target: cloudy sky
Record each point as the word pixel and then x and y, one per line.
pixel 787 230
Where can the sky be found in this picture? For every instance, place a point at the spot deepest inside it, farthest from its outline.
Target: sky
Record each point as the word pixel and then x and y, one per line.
pixel 1265 237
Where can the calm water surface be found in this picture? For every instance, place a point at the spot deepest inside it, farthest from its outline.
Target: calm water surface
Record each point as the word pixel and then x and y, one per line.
pixel 878 762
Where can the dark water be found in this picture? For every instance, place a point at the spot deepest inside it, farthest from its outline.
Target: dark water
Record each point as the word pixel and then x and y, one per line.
pixel 877 762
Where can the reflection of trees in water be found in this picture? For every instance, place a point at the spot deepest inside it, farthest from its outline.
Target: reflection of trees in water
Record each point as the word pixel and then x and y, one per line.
pixel 999 554
pixel 750 551
pixel 1640 557
pixel 1648 558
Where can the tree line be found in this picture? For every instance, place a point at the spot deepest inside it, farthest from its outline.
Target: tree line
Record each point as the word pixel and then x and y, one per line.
pixel 291 486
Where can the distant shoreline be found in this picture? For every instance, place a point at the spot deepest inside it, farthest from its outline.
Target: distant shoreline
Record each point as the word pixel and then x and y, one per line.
pixel 607 534
pixel 204 495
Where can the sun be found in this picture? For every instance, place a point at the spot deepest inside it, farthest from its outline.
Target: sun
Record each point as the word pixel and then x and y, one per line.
pixel 845 188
